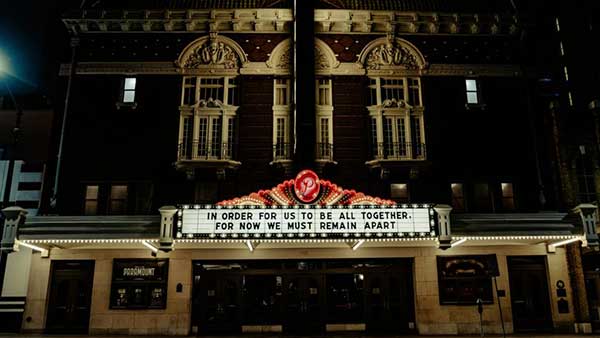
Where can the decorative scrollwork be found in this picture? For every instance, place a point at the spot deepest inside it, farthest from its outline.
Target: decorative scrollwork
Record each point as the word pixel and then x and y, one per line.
pixel 391 55
pixel 212 52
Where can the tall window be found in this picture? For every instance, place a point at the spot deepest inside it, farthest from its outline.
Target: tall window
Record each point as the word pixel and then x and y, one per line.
pixel 508 196
pixel 458 196
pixel 129 85
pixel 399 192
pixel 91 200
pixel 472 92
pixel 396 112
pixel 118 199
pixel 324 119
pixel 481 197
pixel 207 121
pixel 281 119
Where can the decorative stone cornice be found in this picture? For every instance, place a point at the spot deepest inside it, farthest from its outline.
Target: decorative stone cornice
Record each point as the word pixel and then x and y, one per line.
pixel 261 68
pixel 277 20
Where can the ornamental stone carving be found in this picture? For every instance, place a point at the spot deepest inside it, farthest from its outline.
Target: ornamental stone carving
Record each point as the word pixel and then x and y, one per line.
pixel 325 59
pixel 321 61
pixel 390 55
pixel 386 53
pixel 212 52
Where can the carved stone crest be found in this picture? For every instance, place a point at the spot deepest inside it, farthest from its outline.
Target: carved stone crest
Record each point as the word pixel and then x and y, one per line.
pixel 212 52
pixel 284 59
pixel 390 54
pixel 321 61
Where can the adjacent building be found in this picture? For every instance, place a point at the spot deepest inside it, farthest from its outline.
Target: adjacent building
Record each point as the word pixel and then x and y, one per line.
pixel 309 167
pixel 22 166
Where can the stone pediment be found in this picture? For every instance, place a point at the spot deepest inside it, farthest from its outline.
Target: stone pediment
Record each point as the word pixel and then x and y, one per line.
pixel 212 52
pixel 389 54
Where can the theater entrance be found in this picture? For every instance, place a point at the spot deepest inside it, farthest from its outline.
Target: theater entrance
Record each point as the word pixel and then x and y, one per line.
pixel 303 297
pixel 70 297
pixel 530 298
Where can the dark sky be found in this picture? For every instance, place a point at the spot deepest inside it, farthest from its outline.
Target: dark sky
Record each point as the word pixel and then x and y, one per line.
pixel 33 40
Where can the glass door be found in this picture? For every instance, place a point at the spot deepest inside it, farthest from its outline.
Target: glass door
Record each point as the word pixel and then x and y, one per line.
pixel 529 293
pixel 70 297
pixel 304 301
pixel 262 299
pixel 218 301
pixel 389 302
pixel 345 298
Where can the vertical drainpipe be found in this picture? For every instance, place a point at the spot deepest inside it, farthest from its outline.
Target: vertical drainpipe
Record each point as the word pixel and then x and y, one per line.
pixel 72 72
pixel 293 79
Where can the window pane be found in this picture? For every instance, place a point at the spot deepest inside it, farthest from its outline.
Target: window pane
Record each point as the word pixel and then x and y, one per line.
pixel 508 200
pixel 458 198
pixel 482 197
pixel 374 132
pixel 130 83
pixel 202 140
pixel 413 92
pixel 471 85
pixel 215 137
pixel 129 96
pixel 91 192
pixel 189 90
pixel 91 207
pixel 118 192
pixel 472 98
pixel 118 199
pixel 91 200
pixel 399 191
pixel 388 140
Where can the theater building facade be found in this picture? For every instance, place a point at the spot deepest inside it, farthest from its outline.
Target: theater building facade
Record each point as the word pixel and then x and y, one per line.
pixel 237 167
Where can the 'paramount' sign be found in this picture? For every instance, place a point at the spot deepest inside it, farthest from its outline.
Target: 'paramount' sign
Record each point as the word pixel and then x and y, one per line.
pixel 366 220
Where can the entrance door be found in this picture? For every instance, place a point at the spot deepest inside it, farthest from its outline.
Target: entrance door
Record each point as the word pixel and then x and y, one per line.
pixel 304 304
pixel 218 299
pixel 529 293
pixel 70 297
pixel 389 302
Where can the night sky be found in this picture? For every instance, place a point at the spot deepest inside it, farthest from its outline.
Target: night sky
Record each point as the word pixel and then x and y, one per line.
pixel 33 40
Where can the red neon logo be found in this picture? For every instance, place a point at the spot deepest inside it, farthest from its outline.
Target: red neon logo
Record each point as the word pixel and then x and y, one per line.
pixel 307 186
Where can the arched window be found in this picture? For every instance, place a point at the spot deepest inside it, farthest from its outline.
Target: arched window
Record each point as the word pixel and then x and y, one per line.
pixel 209 99
pixel 395 105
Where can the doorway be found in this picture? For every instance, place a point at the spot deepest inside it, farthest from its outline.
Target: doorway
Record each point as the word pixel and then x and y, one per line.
pixel 70 297
pixel 388 297
pixel 303 297
pixel 530 300
pixel 219 296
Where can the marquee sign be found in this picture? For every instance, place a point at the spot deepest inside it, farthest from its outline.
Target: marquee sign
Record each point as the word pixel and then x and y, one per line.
pixel 306 206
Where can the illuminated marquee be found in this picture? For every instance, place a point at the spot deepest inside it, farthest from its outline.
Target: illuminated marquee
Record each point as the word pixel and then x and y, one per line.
pixel 306 206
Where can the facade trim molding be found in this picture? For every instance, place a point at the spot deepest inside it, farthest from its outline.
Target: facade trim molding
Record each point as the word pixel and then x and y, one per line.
pixel 262 68
pixel 277 20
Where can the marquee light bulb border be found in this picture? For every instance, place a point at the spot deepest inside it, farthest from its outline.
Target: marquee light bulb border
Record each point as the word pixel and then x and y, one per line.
pixel 307 191
pixel 297 240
